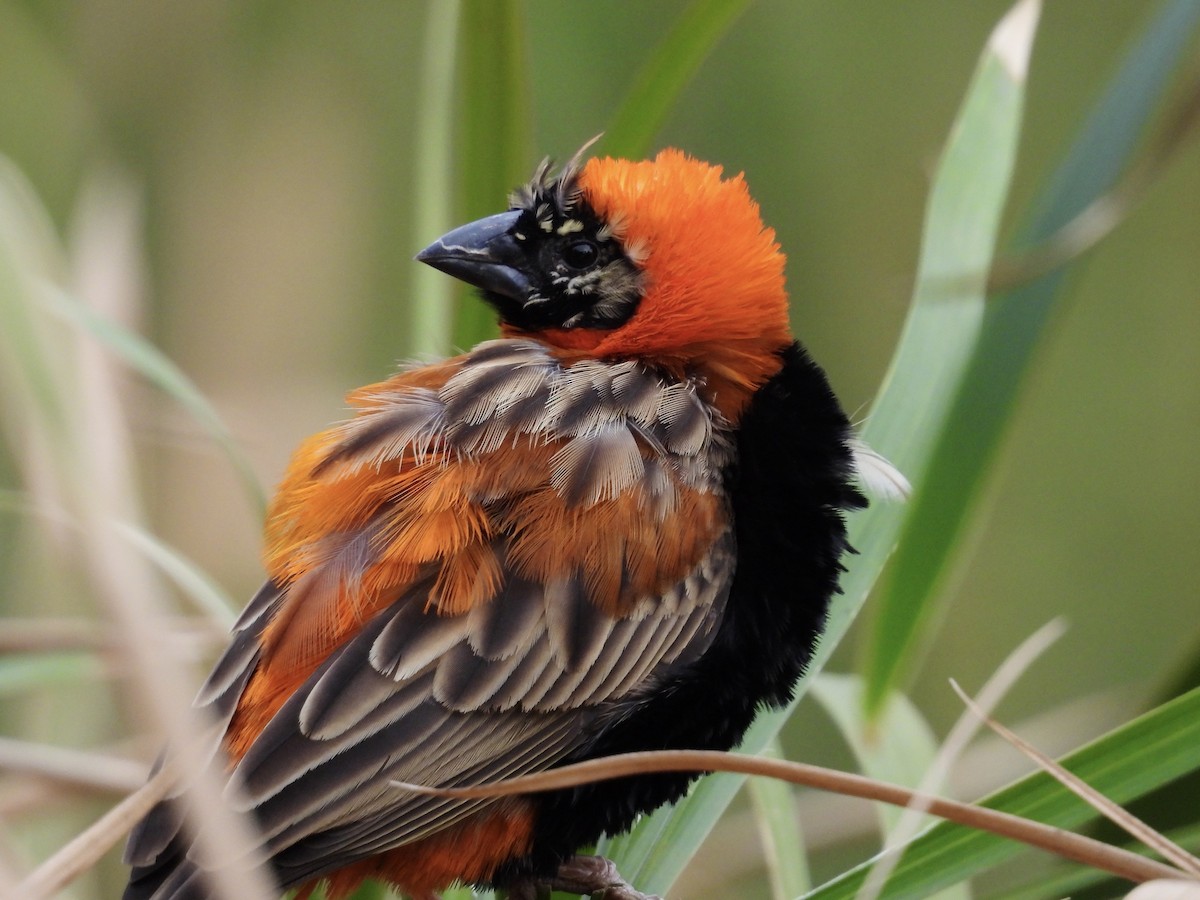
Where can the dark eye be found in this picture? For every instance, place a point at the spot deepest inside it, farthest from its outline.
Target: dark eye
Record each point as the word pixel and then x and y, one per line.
pixel 580 254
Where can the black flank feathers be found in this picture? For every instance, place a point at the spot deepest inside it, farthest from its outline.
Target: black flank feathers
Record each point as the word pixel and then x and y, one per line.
pixel 789 484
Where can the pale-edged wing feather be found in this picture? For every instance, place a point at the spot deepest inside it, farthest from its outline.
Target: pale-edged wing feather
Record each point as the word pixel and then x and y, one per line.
pixel 517 683
pixel 321 791
pixel 152 835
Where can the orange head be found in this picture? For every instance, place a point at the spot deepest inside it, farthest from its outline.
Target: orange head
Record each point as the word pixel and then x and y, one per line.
pixel 612 258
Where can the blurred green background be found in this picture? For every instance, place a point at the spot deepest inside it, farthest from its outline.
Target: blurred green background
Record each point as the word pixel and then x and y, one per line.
pixel 268 150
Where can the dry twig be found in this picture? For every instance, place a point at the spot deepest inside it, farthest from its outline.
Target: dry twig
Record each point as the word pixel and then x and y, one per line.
pixel 1058 841
pixel 953 746
pixel 1124 819
pixel 80 854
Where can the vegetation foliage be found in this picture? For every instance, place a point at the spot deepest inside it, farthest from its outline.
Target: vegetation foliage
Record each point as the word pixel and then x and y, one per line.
pixel 207 217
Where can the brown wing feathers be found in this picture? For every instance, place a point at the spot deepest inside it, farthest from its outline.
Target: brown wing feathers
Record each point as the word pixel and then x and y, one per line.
pixel 419 483
pixel 463 575
pixel 522 556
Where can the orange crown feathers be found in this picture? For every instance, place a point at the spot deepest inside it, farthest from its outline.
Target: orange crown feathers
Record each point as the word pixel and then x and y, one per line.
pixel 714 272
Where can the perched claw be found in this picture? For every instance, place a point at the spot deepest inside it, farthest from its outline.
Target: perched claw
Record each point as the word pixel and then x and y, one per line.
pixel 583 875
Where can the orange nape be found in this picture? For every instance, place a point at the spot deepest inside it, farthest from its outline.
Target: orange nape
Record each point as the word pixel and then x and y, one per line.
pixel 714 272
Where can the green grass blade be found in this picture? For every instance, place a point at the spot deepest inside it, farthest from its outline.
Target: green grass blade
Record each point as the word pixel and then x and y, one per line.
pixel 961 226
pixel 1145 754
pixel 464 893
pixel 148 361
pixel 431 310
pixel 933 349
pixel 24 672
pixel 495 147
pixel 777 815
pixel 665 75
pixel 208 596
pixel 1013 327
pixel 33 361
pixel 654 853
pixel 495 150
pixel 898 748
pixel 27 264
pixel 1073 880
pixel 372 890
pixel 478 49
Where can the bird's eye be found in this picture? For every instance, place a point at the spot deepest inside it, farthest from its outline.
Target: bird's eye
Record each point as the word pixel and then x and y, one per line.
pixel 580 254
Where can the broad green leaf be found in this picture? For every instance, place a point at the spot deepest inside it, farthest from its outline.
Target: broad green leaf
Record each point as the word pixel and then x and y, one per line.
pixel 672 65
pixel 961 225
pixel 33 364
pixel 942 328
pixel 897 747
pixel 1074 879
pixel 1013 327
pixel 1147 753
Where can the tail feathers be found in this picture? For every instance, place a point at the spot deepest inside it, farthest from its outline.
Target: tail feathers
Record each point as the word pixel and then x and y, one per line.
pixel 154 836
pixel 172 877
pixel 160 865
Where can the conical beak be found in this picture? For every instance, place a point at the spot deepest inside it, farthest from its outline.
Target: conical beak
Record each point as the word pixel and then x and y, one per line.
pixel 484 254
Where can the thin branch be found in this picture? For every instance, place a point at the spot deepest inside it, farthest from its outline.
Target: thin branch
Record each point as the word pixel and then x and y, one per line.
pixel 80 854
pixel 955 744
pixel 1120 816
pixel 67 635
pixel 9 867
pixel 1058 841
pixel 94 771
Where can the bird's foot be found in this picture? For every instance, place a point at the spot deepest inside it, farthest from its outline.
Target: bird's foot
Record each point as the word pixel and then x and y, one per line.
pixel 592 876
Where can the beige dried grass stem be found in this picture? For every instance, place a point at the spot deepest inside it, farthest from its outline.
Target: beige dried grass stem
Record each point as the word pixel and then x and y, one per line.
pixel 959 736
pixel 85 850
pixel 1053 840
pixel 1116 813
pixel 80 768
pixel 89 474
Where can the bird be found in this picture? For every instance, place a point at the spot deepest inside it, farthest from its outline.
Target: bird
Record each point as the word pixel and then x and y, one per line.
pixel 617 527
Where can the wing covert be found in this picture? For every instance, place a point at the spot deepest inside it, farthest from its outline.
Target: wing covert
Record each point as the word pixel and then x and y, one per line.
pixel 324 762
pixel 483 562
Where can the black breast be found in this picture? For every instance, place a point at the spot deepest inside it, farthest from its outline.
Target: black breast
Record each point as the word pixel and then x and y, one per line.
pixel 789 485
